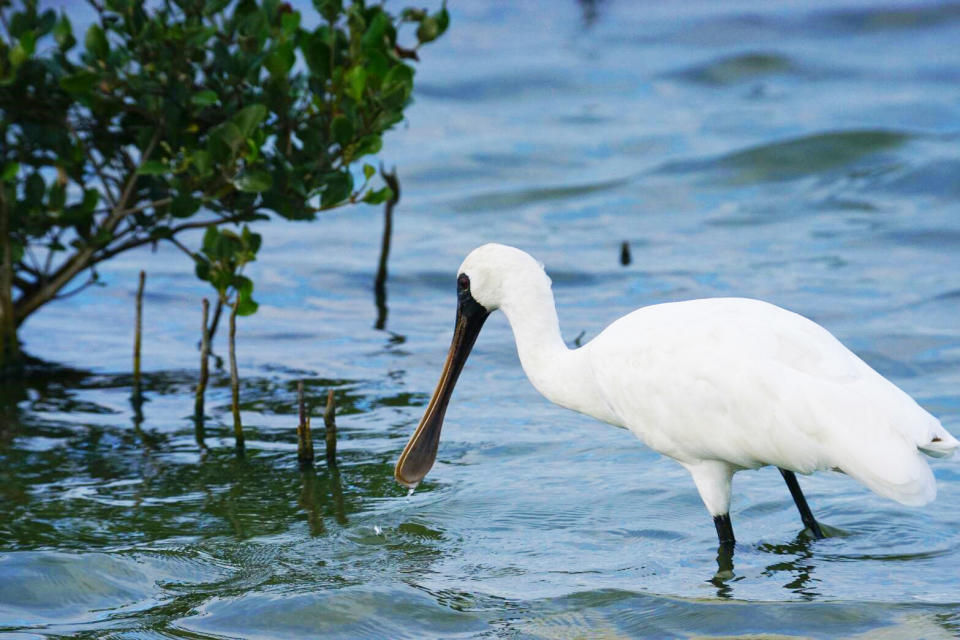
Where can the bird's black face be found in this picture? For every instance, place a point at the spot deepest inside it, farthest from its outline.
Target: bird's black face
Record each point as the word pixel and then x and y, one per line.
pixel 466 304
pixel 419 454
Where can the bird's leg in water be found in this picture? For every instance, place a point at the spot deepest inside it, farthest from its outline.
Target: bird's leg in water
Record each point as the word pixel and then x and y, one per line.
pixel 724 571
pixel 724 529
pixel 805 514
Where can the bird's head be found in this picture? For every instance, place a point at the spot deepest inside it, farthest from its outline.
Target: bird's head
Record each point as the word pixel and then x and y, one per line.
pixel 489 277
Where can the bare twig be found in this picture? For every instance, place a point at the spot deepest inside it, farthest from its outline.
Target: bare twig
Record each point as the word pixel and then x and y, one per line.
pixel 304 436
pixel 96 166
pixel 92 280
pixel 22 284
pixel 138 242
pixel 49 261
pixel 138 324
pixel 23 266
pixel 380 283
pixel 33 259
pixel 235 379
pixel 204 366
pixel 142 207
pixel 182 247
pixel 87 255
pixel 215 322
pixel 119 211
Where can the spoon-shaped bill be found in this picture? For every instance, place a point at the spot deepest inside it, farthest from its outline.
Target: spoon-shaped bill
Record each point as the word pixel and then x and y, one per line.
pixel 419 454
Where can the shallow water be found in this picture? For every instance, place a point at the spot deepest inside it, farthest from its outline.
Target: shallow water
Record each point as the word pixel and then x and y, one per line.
pixel 803 155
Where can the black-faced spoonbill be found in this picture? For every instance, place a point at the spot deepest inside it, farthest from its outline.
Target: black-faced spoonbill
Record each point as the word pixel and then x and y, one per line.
pixel 719 385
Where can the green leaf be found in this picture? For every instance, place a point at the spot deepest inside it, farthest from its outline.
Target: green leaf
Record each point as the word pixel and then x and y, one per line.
pixel 367 145
pixel 316 51
pixel 204 98
pixel 90 199
pixel 202 161
pixel 245 304
pixel 153 168
pixel 376 30
pixel 290 22
pixel 78 83
pixel 210 238
pixel 223 141
pixel 337 188
pixel 214 6
pixel 46 22
pixel 250 240
pixel 356 79
pixel 280 60
pixel 254 181
pixel 254 151
pixel 57 198
pixel 220 280
pixel 202 268
pixel 96 42
pixel 443 18
pixel 184 205
pixel 377 66
pixel 63 33
pixel 28 41
pixel 399 76
pixel 342 130
pixel 246 307
pixel 428 30
pixel 18 56
pixel 249 118
pixel 16 250
pixel 10 171
pixel 378 196
pixel 368 171
pixel 329 9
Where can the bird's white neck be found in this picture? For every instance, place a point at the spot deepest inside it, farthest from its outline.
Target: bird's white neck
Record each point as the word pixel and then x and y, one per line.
pixel 559 373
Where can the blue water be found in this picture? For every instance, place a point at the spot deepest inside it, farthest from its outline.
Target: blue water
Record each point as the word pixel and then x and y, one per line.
pixel 805 154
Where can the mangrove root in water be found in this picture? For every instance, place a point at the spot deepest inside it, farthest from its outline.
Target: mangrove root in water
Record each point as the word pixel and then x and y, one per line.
pixel 330 426
pixel 304 437
pixel 204 372
pixel 235 379
pixel 137 332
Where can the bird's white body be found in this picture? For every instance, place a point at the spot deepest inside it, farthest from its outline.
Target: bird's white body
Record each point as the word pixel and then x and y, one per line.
pixel 720 385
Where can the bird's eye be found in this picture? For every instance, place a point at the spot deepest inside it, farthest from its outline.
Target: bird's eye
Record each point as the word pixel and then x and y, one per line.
pixel 463 282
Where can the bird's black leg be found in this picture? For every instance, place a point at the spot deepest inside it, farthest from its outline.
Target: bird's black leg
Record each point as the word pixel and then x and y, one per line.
pixel 805 514
pixel 724 529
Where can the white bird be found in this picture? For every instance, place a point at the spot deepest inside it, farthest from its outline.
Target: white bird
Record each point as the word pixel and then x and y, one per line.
pixel 720 385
